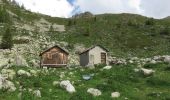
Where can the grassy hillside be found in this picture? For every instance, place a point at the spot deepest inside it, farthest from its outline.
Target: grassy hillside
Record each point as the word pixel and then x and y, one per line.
pixel 123 34
pixel 122 78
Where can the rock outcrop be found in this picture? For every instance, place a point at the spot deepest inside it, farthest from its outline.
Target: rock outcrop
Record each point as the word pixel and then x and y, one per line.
pixel 94 92
pixel 68 86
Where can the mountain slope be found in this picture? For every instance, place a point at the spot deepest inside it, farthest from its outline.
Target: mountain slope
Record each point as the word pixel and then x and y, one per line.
pixel 125 35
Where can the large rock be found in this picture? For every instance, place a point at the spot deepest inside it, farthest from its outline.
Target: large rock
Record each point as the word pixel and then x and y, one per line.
pixel 107 67
pixel 10 74
pixel 6 84
pixel 37 93
pixel 136 70
pixel 115 94
pixel 153 62
pixel 94 92
pixel 147 72
pixel 114 60
pixel 68 86
pixel 167 59
pixel 23 73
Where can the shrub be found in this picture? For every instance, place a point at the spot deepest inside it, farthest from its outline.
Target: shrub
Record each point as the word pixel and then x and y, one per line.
pixel 104 87
pixel 7 41
pixel 168 68
pixel 37 83
pixel 165 31
pixel 20 41
pixel 87 32
pixel 26 95
pixel 99 65
pixel 149 66
pixel 69 23
pixel 4 16
pixel 160 95
pixel 149 21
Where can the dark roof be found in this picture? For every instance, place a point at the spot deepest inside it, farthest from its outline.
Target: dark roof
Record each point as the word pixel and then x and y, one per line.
pixel 56 46
pixel 92 48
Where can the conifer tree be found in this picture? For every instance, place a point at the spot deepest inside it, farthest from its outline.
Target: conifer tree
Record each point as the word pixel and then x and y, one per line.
pixel 4 16
pixel 7 41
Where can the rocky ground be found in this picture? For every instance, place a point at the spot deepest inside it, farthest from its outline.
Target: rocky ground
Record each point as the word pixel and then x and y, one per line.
pixel 131 79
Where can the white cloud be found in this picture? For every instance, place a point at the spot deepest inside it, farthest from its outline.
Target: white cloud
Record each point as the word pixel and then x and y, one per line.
pixel 59 8
pixel 150 8
pixel 109 6
pixel 155 8
pixel 62 8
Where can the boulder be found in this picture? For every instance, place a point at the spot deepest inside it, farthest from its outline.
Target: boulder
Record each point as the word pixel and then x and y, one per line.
pixel 94 92
pixel 107 67
pixel 6 84
pixel 68 86
pixel 131 61
pixel 23 72
pixel 147 72
pixel 153 62
pixel 115 94
pixel 167 59
pixel 37 93
pixel 136 70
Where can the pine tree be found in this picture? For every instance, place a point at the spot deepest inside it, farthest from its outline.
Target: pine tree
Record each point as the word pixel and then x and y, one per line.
pixel 4 16
pixel 51 28
pixel 7 41
pixel 69 23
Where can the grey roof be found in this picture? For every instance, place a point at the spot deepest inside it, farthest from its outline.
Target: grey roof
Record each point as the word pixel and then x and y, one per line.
pixel 92 48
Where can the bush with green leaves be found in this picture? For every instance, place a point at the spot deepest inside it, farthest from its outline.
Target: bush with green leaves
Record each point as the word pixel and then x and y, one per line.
pixel 7 39
pixel 165 31
pixel 4 15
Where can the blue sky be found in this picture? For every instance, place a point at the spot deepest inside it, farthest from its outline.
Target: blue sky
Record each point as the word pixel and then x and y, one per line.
pixel 71 1
pixel 67 8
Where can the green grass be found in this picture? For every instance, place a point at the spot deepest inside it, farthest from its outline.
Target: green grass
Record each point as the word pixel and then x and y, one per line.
pixel 121 78
pixel 123 35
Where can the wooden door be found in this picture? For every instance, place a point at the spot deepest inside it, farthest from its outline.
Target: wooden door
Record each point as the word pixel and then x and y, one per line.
pixel 103 58
pixel 57 58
